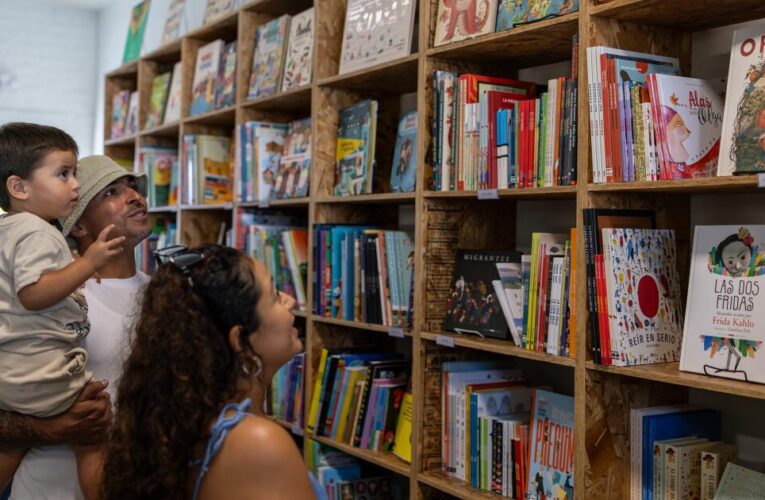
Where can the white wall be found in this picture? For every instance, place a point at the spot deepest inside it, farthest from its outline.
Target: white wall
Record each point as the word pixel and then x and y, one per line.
pixel 48 66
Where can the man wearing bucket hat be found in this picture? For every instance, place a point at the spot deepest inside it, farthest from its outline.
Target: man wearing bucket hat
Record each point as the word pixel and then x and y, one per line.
pixel 109 194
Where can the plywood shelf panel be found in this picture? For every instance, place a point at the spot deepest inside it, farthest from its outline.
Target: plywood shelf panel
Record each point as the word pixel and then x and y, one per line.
pixel 685 186
pixel 387 461
pixel 225 116
pixel 125 140
pixel 369 198
pixel 529 193
pixel 355 324
pixel 171 129
pixel 295 100
pixel 396 77
pixel 455 487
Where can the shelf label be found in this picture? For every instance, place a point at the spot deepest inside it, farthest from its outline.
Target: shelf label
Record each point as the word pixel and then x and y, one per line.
pixel 761 180
pixel 488 194
pixel 263 203
pixel 396 331
pixel 445 340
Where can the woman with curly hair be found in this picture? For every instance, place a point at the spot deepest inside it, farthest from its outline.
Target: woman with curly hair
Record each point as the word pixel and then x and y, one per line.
pixel 212 332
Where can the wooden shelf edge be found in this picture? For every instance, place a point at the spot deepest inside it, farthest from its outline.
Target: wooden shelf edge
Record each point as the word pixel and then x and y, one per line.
pixel 338 80
pixel 227 20
pixel 299 313
pixel 259 102
pixel 126 69
pixel 387 461
pixel 454 487
pixel 541 192
pixel 368 198
pixel 163 209
pixel 497 346
pixel 125 140
pixel 173 126
pixel 166 49
pixel 708 184
pixel 287 202
pixel 211 206
pixel 215 116
pixel 356 324
pixel 670 373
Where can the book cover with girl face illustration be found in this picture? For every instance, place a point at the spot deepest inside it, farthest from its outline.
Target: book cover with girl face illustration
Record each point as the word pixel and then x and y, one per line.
pixel 725 318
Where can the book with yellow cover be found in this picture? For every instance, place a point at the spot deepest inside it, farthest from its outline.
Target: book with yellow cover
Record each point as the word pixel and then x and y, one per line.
pixel 402 443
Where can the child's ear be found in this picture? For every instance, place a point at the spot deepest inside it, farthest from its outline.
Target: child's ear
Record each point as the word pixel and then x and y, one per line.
pixel 17 188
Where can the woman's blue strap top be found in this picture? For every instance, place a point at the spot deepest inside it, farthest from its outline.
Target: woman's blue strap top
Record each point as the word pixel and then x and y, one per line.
pixel 218 434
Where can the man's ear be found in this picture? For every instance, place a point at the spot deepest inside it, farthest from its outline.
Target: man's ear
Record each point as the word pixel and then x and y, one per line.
pixel 17 188
pixel 78 230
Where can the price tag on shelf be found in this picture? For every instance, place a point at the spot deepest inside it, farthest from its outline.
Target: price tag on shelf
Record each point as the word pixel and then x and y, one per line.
pixel 761 180
pixel 263 203
pixel 396 331
pixel 488 194
pixel 445 340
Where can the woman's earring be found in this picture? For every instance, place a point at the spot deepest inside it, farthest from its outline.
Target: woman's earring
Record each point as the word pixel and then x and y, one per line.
pixel 251 364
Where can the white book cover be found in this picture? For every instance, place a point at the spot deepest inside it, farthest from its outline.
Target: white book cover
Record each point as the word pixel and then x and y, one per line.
pixel 742 149
pixel 175 13
pixel 460 20
pixel 376 31
pixel 173 108
pixel 268 145
pixel 299 58
pixel 205 77
pixel 725 317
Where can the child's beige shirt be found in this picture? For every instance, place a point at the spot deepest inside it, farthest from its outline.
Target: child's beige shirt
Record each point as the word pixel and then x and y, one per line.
pixel 42 365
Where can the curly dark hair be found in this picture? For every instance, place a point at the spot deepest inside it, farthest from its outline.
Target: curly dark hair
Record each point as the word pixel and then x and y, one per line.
pixel 180 372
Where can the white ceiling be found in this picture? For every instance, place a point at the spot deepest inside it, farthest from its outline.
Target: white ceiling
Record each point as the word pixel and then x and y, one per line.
pixel 87 4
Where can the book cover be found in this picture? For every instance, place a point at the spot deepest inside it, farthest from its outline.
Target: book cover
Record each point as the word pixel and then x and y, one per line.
pixel 376 31
pixel 713 463
pixel 295 163
pixel 511 13
pixel 159 92
pixel 267 147
pixel 551 457
pixel 172 27
pixel 120 102
pixel 299 58
pixel 404 166
pixel 218 8
pixel 131 122
pixel 644 301
pixel 225 88
pixel 354 153
pixel 402 444
pixel 742 146
pixel 173 106
pixel 457 21
pixel 268 59
pixel 472 305
pixel 511 281
pixel 726 310
pixel 212 169
pixel 740 483
pixel 206 77
pixel 136 28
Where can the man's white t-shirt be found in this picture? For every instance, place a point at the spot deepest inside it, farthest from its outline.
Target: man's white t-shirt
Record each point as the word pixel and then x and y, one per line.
pixel 50 473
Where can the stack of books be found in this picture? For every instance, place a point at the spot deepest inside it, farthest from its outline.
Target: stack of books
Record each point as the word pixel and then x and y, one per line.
pixel 363 274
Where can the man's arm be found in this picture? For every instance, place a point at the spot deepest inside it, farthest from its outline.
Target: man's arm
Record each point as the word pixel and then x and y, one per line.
pixel 86 422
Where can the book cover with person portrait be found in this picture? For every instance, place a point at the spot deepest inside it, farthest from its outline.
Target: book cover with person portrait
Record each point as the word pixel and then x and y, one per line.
pixel 725 318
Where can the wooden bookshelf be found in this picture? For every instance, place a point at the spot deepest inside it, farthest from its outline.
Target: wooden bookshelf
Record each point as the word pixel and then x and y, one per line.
pixel 445 221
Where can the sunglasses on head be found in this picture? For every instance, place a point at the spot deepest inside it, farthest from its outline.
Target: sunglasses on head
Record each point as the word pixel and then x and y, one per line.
pixel 179 256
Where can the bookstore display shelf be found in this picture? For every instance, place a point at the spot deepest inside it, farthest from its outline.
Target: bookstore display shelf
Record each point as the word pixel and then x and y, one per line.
pixel 299 313
pixel 224 116
pixel 125 140
pixel 277 7
pixel 670 373
pixel 298 99
pixel 532 44
pixel 387 461
pixel 369 198
pixel 702 185
pixel 356 324
pixel 169 52
pixel 127 69
pixel 209 206
pixel 223 27
pixel 163 209
pixel 455 487
pixel 287 202
pixel 165 130
pixel 531 193
pixel 691 15
pixel 498 346
pixel 385 77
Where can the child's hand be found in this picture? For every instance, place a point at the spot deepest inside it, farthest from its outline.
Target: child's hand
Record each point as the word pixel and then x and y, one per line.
pixel 101 251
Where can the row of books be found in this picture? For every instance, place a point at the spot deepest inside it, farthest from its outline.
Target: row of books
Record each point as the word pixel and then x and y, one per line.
pixel 214 85
pixel 342 477
pixel 456 22
pixel 357 397
pixel 287 391
pixel 273 160
pixel 160 164
pixel 124 117
pixel 529 298
pixel 502 436
pixel 206 176
pixel 165 100
pixel 363 274
pixel 163 234
pixel 283 55
pixel 281 245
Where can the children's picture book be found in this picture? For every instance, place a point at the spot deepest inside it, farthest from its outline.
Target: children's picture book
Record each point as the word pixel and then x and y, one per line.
pixel 726 303
pixel 159 92
pixel 206 77
pixel 742 148
pixel 511 13
pixel 173 107
pixel 645 309
pixel 355 149
pixel 402 444
pixel 404 166
pixel 457 21
pixel 689 113
pixel 740 483
pixel 131 122
pixel 473 305
pixel 551 448
pixel 218 8
pixel 268 59
pixel 225 89
pixel 120 102
pixel 299 58
pixel 295 164
pixel 136 28
pixel 175 13
pixel 376 31
pixel 713 462
pixel 268 146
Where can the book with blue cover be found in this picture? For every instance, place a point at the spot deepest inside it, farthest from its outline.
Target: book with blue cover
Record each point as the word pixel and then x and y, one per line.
pixel 355 149
pixel 404 166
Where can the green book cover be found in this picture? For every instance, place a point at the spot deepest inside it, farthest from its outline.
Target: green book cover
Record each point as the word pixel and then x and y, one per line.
pixel 135 31
pixel 159 88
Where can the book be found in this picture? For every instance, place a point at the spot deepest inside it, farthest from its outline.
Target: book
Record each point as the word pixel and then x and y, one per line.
pixel 268 59
pixel 713 463
pixel 268 147
pixel 659 458
pixel 159 92
pixel 216 9
pixel 402 444
pixel 131 122
pixel 645 307
pixel 212 169
pixel 173 106
pixel 742 146
pixel 295 164
pixel 225 87
pixel 404 166
pixel 206 77
pixel 173 19
pixel 299 58
pixel 682 469
pixel 740 483
pixel 138 16
pixel 551 459
pixel 723 332
pixel 355 149
pixel 120 101
pixel 376 31
pixel 472 304
pixel 457 21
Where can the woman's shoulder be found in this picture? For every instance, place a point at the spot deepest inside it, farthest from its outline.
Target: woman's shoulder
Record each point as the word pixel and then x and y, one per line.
pixel 260 439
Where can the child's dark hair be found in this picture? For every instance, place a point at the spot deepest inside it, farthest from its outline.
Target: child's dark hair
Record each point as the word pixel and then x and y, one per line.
pixel 727 241
pixel 23 146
